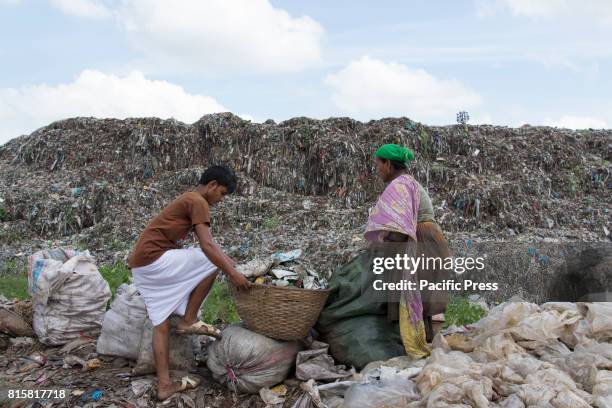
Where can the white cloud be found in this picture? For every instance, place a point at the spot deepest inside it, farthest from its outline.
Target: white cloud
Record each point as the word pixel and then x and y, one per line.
pixel 600 10
pixel 82 8
pixel 370 88
pixel 97 94
pixel 215 35
pixel 576 122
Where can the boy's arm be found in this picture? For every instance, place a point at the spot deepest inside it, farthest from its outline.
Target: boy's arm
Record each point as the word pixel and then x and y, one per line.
pixel 218 257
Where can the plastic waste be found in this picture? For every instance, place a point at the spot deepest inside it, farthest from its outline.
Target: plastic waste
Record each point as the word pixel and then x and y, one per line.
pixel 69 296
pixel 396 392
pixel 122 325
pixel 282 257
pixel 599 316
pixel 318 365
pixel 246 361
pixel 255 267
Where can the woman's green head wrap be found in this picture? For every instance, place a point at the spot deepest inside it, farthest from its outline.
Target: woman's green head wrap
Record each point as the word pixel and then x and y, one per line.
pixel 395 152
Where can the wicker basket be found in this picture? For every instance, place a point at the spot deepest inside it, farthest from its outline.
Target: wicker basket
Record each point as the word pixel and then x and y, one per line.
pixel 280 312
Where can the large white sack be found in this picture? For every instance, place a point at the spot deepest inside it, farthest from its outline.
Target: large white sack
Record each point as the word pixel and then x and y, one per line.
pixel 122 325
pixel 69 296
pixel 246 361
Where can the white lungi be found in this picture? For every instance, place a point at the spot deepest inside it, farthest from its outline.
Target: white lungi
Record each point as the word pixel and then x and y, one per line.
pixel 166 284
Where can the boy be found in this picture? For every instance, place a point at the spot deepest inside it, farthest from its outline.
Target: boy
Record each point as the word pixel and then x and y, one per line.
pixel 175 280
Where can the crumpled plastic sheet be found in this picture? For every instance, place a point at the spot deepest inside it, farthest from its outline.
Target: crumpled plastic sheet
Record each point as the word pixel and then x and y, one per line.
pixel 599 316
pixel 529 325
pixel 317 364
pixel 395 392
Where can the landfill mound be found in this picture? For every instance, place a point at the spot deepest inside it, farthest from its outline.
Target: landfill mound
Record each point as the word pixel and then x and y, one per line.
pixel 304 183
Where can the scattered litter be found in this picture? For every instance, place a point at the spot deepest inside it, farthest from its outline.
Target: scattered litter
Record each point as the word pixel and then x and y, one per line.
pixel 22 341
pixel 71 361
pixel 141 386
pixel 282 257
pixel 310 397
pixel 76 344
pixel 271 399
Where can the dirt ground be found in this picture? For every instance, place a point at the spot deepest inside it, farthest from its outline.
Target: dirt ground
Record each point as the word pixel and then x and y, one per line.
pixel 38 367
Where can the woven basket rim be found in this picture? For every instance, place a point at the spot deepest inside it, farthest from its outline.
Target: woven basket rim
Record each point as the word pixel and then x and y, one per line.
pixel 260 286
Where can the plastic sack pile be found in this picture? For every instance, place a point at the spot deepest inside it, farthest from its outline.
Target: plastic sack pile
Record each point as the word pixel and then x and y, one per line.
pixel 556 355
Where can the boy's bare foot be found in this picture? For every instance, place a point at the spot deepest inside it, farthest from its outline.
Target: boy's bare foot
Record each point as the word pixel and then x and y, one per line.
pixel 165 391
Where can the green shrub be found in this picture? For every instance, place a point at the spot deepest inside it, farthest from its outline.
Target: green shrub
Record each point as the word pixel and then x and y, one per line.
pixel 460 311
pixel 115 274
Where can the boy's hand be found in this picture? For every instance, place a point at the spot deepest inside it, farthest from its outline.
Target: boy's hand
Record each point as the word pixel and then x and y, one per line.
pixel 239 281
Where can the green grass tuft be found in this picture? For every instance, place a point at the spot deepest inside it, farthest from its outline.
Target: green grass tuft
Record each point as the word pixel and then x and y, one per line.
pixel 219 305
pixel 271 223
pixel 14 285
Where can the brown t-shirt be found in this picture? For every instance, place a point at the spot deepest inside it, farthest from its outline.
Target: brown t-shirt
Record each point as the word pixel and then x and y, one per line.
pixel 172 224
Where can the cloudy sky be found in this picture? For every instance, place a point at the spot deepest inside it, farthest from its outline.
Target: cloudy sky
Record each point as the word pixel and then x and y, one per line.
pixel 506 62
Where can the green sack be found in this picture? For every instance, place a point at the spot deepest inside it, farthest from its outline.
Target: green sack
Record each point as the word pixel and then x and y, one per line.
pixel 356 328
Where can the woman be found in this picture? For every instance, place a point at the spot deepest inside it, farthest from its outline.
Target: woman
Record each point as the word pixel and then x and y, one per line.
pixel 395 218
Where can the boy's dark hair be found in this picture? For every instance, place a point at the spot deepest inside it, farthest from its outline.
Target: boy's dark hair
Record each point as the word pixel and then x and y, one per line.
pixel 222 175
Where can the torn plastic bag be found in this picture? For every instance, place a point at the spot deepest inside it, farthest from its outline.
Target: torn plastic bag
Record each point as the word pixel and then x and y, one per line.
pixel 444 365
pixel 317 364
pixel 447 395
pixel 599 315
pixel 246 361
pixel 530 326
pixel 503 316
pixel 602 390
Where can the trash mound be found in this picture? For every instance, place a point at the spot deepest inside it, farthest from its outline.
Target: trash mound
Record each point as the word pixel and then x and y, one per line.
pixel 107 177
pixel 556 355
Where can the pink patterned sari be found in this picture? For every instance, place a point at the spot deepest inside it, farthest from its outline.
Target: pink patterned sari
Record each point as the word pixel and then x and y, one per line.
pixel 396 212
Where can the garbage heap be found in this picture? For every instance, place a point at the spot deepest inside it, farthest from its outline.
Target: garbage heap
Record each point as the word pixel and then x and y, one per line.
pixel 304 183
